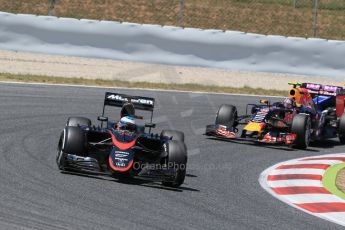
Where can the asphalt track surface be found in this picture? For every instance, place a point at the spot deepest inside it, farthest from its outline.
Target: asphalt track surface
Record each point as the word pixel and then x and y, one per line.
pixel 221 190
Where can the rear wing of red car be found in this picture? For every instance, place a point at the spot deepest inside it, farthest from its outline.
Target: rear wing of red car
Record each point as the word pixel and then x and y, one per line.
pixel 337 92
pixel 326 90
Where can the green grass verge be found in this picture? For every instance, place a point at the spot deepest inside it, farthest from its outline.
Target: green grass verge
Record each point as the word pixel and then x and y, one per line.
pixel 329 180
pixel 146 85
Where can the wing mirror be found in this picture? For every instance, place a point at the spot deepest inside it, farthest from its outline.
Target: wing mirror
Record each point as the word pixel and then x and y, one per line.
pixel 150 125
pixel 103 119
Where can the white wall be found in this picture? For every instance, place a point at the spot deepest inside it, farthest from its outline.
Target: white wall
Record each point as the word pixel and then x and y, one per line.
pixel 172 45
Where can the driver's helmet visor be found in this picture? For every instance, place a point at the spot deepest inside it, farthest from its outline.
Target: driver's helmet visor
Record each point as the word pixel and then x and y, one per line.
pixel 127 123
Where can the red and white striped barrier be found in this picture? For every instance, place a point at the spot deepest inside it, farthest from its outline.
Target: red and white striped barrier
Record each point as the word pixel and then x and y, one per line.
pixel 298 183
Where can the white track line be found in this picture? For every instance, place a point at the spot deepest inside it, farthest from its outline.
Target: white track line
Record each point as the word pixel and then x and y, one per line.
pixel 336 217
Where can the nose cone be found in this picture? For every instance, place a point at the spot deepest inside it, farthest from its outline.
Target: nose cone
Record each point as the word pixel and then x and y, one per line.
pixel 254 127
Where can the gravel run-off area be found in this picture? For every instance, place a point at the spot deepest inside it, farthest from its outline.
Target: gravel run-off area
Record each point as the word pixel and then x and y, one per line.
pixel 62 66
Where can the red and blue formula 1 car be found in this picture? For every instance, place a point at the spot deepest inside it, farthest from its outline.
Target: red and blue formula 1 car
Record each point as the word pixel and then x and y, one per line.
pixel 122 148
pixel 317 112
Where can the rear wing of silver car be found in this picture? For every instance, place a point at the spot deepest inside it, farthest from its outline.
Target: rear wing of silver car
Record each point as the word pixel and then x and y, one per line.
pixel 139 103
pixel 118 100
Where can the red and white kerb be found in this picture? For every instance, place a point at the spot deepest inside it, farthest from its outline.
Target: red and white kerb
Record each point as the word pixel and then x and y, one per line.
pixel 299 183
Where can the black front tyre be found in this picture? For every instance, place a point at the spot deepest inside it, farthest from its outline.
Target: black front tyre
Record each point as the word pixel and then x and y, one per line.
pixel 301 126
pixel 227 115
pixel 60 157
pixel 73 141
pixel 78 121
pixel 342 129
pixel 177 160
pixel 173 135
pixel 60 160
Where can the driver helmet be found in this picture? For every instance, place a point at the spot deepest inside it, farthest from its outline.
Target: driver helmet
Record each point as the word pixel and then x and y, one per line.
pixel 127 110
pixel 288 103
pixel 127 123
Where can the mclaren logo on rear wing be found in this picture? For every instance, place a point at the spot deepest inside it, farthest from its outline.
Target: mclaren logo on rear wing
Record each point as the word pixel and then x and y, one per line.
pixel 116 99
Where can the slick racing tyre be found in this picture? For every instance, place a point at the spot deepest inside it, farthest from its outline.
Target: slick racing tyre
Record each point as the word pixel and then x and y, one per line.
pixel 73 141
pixel 342 129
pixel 301 126
pixel 60 159
pixel 81 121
pixel 173 134
pixel 227 115
pixel 177 161
pixel 61 156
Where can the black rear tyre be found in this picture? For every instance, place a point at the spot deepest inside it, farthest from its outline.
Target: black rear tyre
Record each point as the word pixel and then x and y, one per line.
pixel 342 129
pixel 227 115
pixel 78 121
pixel 173 134
pixel 301 126
pixel 177 159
